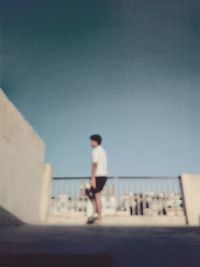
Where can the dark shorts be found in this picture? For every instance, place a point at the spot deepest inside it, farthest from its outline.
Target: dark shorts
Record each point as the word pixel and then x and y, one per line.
pixel 100 182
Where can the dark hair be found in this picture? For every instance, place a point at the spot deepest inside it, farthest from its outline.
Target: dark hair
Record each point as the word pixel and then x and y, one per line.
pixel 97 138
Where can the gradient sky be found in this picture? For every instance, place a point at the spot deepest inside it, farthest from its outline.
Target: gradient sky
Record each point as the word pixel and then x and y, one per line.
pixel 128 70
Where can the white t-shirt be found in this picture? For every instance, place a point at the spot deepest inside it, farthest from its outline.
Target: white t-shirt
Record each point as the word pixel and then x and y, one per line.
pixel 99 156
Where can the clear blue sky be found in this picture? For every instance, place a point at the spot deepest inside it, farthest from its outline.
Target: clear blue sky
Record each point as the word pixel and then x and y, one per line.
pixel 128 70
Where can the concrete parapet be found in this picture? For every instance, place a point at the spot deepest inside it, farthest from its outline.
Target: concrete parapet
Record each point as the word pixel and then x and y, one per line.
pixel 45 195
pixel 191 192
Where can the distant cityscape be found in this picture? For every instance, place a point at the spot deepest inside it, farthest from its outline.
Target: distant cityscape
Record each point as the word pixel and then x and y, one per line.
pixel 148 203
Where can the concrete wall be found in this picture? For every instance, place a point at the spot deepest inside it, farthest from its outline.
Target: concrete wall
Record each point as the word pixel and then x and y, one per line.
pixel 46 190
pixel 191 192
pixel 22 170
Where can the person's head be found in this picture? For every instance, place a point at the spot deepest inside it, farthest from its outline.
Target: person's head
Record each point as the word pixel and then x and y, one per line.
pixel 95 140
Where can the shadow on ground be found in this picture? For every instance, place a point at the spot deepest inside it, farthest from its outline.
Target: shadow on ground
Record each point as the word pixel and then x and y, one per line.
pixel 8 219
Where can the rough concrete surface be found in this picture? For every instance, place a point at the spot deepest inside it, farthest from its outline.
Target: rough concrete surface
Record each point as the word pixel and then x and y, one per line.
pixel 99 245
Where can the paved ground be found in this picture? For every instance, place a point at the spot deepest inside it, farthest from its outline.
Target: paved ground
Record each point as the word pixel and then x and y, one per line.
pixel 29 245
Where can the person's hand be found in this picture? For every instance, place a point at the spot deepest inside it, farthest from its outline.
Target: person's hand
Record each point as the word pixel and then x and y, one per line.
pixel 93 182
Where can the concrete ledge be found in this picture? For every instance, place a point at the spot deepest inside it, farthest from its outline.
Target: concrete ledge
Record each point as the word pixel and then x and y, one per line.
pixel 121 221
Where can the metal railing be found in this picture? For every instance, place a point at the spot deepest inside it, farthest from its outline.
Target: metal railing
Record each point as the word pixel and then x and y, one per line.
pixel 149 196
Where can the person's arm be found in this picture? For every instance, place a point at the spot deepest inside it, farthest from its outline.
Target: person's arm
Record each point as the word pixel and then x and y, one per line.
pixel 93 180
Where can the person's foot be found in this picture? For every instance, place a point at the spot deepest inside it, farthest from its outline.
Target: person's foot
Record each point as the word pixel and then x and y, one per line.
pixel 98 220
pixel 96 215
pixel 90 220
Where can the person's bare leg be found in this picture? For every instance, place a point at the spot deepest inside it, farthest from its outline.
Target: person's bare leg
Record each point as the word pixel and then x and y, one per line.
pixel 94 205
pixel 98 204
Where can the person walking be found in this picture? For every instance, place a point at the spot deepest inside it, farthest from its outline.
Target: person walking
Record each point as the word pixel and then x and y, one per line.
pixel 99 174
